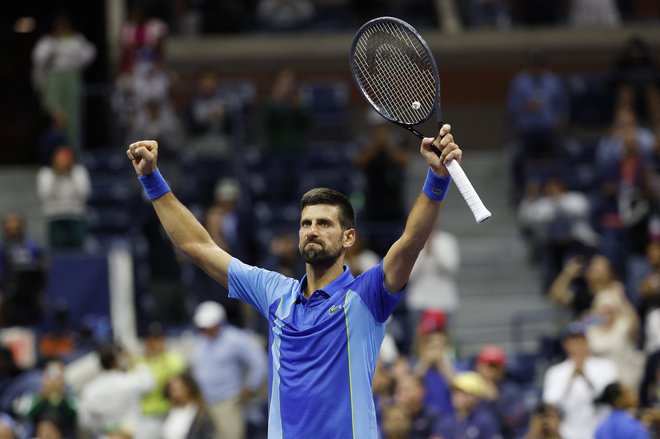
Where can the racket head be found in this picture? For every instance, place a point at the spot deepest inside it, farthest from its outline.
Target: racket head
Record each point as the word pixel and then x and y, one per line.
pixel 395 71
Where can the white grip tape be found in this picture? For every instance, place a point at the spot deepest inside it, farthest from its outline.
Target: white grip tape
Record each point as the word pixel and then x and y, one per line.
pixel 471 197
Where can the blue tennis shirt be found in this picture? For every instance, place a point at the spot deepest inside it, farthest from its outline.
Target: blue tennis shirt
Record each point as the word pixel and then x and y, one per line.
pixel 322 350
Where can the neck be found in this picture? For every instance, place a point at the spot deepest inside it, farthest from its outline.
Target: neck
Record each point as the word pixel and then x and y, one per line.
pixel 319 277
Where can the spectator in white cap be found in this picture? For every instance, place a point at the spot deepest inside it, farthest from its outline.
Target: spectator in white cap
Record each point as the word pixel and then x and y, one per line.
pixel 229 366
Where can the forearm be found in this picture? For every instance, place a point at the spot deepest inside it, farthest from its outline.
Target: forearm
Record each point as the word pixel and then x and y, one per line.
pixel 401 257
pixel 560 292
pixel 190 237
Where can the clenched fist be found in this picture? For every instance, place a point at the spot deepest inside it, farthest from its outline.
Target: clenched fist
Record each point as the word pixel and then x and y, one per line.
pixel 144 156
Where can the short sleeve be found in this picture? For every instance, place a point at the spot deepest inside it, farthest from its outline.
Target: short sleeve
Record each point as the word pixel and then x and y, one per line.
pixel 372 291
pixel 257 286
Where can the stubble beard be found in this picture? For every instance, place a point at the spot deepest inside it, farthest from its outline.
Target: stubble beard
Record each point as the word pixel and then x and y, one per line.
pixel 319 257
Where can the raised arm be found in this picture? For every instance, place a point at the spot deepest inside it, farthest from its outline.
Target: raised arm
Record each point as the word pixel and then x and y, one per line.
pixel 187 234
pixel 401 257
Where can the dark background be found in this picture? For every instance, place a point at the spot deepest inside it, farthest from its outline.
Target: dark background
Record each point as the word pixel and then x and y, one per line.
pixel 21 119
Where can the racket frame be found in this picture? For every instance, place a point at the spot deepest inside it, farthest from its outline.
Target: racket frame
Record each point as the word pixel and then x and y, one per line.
pixel 479 210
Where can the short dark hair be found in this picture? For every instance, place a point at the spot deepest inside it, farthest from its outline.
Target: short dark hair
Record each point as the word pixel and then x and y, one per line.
pixel 108 353
pixel 610 394
pixel 333 198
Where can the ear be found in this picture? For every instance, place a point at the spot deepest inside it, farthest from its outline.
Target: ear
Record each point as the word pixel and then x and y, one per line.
pixel 349 238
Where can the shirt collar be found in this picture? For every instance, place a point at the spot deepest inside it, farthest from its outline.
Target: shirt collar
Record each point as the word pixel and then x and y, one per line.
pixel 331 289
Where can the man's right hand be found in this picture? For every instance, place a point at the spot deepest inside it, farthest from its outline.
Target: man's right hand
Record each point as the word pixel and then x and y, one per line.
pixel 144 156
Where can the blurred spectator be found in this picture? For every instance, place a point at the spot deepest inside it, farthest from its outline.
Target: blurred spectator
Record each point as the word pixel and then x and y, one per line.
pixel 164 364
pixel 125 105
pixel 54 404
pixel 435 365
pixel 636 76
pixel 230 368
pixel 410 395
pixel 286 120
pixel 59 59
pixel 572 385
pixel 189 417
pixel 538 106
pixel 8 367
pixel 614 334
pixel 63 189
pixel 57 340
pixel 383 161
pixel 285 15
pixel 223 220
pixel 623 205
pixel 152 83
pixel 47 429
pixel 360 258
pixel 207 116
pixel 157 121
pixel 470 418
pixel 556 222
pixel 649 305
pixel 230 230
pixel 649 389
pixel 433 281
pixel 508 403
pixel 584 13
pixel 581 280
pixel 620 423
pixel 396 422
pixel 286 124
pixel 625 126
pixel 544 423
pixel 54 136
pixel 141 38
pixel 21 274
pixel 7 426
pixel 383 388
pixel 111 400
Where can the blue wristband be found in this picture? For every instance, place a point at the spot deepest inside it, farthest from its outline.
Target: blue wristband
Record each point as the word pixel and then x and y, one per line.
pixel 154 185
pixel 435 187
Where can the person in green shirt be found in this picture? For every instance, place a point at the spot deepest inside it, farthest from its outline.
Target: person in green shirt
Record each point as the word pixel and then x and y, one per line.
pixel 164 364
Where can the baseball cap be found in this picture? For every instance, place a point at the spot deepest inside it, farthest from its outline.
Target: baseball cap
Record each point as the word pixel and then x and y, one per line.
pixel 209 314
pixel 432 321
pixel 575 328
pixel 472 383
pixel 493 355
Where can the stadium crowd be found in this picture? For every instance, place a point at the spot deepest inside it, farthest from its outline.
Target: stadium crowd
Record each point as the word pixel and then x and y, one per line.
pixel 588 211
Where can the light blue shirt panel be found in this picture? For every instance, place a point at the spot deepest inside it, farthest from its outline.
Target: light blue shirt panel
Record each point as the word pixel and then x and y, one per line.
pixel 257 286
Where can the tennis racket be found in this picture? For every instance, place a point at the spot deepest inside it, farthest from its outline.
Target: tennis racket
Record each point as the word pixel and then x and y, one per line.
pixel 394 69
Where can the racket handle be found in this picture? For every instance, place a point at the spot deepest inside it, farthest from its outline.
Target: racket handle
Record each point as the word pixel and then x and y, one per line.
pixel 471 197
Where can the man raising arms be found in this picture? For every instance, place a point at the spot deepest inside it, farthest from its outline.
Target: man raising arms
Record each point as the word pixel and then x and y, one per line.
pixel 325 329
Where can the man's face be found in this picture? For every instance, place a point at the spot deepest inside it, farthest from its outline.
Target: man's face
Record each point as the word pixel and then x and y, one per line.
pixel 13 228
pixel 576 347
pixel 463 402
pixel 409 392
pixel 491 372
pixel 321 239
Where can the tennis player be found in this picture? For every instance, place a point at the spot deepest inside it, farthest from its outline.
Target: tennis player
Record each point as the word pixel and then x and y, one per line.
pixel 326 328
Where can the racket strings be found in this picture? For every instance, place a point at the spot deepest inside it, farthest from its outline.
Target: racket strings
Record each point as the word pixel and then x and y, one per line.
pixel 396 72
